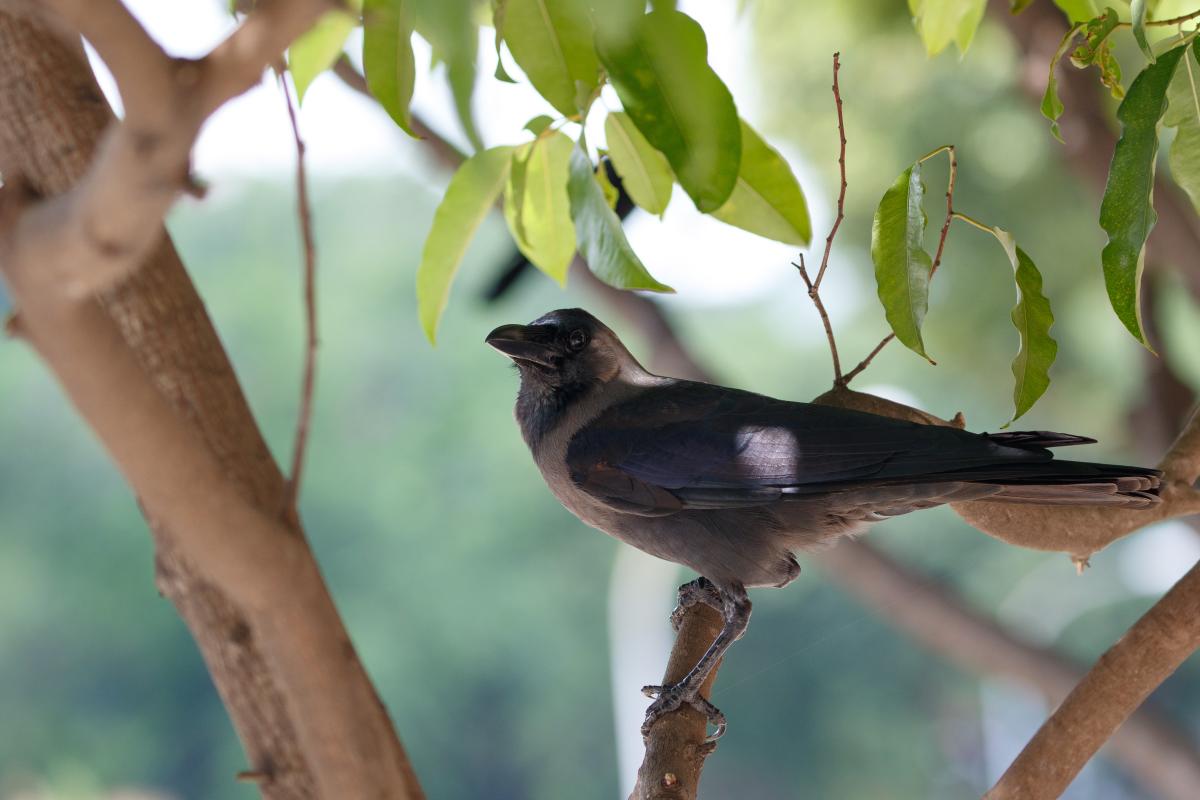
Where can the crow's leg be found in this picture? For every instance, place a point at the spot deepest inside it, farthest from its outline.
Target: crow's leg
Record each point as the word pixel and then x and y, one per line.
pixel 700 590
pixel 735 610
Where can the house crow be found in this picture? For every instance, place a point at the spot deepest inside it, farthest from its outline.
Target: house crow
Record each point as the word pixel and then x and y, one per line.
pixel 731 483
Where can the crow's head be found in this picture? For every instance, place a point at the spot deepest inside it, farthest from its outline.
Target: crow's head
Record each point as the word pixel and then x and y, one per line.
pixel 567 349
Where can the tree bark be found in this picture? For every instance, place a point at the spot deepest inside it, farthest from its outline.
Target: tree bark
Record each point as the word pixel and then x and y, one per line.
pixel 52 119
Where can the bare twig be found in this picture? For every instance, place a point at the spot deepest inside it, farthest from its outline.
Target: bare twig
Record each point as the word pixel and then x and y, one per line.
pixel 841 202
pixel 304 211
pixel 866 362
pixel 814 294
pixel 937 257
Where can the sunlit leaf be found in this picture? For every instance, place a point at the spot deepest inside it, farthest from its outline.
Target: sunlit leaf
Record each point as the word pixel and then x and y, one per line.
pixel 1183 114
pixel 1078 10
pixel 498 9
pixel 902 266
pixel 1137 16
pixel 317 49
pixel 451 28
pixel 388 57
pixel 662 76
pixel 539 124
pixel 1032 318
pixel 941 22
pixel 537 206
pixel 1052 106
pixel 1126 212
pixel 601 239
pixel 644 171
pixel 471 194
pixel 767 199
pixel 551 40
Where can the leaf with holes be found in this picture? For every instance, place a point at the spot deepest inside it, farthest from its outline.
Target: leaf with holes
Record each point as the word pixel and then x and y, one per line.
pixel 602 241
pixel 767 199
pixel 387 53
pixel 902 267
pixel 1126 211
pixel 661 74
pixel 645 172
pixel 537 206
pixel 551 40
pixel 471 194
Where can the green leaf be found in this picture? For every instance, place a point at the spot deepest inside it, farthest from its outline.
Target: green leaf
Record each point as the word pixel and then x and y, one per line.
pixel 645 172
pixel 1183 114
pixel 551 40
pixel 537 206
pixel 1033 319
pixel 940 22
pixel 1017 6
pixel 388 63
pixel 315 51
pixel 471 194
pixel 767 199
pixel 451 29
pixel 498 9
pixel 1126 212
pixel 1137 15
pixel 611 194
pixel 1078 10
pixel 1052 107
pixel 539 124
pixel 902 267
pixel 602 241
pixel 662 76
pixel 1096 49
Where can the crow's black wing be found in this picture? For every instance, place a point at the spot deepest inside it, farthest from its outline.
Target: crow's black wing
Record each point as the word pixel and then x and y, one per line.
pixel 710 446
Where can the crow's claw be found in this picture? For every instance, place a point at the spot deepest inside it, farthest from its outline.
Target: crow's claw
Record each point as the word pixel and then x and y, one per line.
pixel 669 698
pixel 700 590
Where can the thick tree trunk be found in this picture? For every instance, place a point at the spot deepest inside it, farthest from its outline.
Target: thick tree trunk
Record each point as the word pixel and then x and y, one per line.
pixel 52 116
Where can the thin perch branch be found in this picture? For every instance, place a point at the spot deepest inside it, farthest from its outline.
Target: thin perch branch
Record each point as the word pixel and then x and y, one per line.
pixel 841 203
pixel 304 211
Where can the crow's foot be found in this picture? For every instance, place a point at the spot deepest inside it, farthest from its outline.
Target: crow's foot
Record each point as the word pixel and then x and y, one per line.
pixel 669 698
pixel 700 590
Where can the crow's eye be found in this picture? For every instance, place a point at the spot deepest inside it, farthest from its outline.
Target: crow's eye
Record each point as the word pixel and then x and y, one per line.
pixel 577 339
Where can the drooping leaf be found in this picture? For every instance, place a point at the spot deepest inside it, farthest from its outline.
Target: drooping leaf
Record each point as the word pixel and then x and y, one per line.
pixel 940 22
pixel 537 206
pixel 316 50
pixel 451 28
pixel 767 199
pixel 1033 319
pixel 1096 50
pixel 902 267
pixel 602 241
pixel 387 54
pixel 551 40
pixel 644 171
pixel 1183 114
pixel 1137 16
pixel 1126 211
pixel 1052 106
pixel 471 194
pixel 662 76
pixel 1078 10
pixel 498 9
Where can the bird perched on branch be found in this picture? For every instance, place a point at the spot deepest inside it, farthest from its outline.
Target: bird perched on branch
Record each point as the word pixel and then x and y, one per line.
pixel 731 483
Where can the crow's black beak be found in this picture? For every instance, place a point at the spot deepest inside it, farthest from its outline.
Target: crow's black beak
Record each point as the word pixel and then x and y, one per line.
pixel 532 343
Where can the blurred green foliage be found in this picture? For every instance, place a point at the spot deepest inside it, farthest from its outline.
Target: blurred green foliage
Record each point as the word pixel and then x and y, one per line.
pixel 476 601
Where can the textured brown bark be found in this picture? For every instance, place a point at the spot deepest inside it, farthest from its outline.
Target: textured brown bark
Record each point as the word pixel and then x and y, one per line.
pixel 52 116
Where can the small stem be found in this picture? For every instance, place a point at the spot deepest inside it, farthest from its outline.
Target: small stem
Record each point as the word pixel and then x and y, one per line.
pixel 814 294
pixel 934 153
pixel 1174 20
pixel 841 203
pixel 866 362
pixel 304 211
pixel 949 149
pixel 972 221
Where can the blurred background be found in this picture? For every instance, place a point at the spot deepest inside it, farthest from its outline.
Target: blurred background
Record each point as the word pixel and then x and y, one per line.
pixel 507 639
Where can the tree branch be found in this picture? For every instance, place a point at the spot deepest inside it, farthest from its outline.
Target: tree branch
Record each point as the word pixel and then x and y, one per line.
pixel 146 370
